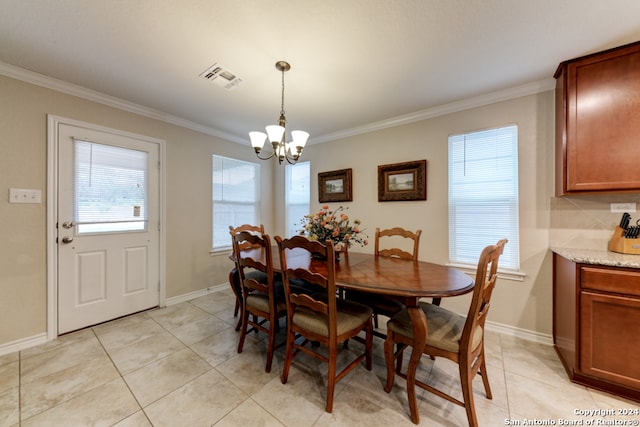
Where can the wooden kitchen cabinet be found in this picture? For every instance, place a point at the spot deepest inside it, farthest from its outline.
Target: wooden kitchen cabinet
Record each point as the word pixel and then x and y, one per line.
pixel 598 122
pixel 596 325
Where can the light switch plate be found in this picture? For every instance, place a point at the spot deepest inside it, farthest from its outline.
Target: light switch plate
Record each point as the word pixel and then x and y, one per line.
pixel 19 195
pixel 623 207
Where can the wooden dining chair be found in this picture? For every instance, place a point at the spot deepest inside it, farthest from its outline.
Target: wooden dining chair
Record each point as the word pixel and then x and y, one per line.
pixel 449 335
pixel 319 317
pixel 379 303
pixel 233 274
pixel 263 302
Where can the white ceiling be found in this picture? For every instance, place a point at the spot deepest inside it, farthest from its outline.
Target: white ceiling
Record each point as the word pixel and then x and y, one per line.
pixel 354 62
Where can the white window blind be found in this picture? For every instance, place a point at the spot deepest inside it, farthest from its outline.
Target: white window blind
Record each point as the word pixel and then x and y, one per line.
pixel 483 195
pixel 297 194
pixel 110 188
pixel 236 197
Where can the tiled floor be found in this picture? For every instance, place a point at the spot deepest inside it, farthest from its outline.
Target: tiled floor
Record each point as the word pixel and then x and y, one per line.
pixel 178 366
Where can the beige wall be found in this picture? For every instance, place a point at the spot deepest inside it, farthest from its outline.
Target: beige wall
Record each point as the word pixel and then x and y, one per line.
pixel 190 267
pixel 525 305
pixel 23 164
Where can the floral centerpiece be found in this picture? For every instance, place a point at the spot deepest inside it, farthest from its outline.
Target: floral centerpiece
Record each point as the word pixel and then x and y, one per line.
pixel 334 225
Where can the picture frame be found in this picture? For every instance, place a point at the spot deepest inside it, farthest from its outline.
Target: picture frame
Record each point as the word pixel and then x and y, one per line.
pixel 402 181
pixel 335 186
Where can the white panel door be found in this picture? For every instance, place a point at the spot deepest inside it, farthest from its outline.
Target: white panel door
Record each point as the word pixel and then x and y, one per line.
pixel 108 226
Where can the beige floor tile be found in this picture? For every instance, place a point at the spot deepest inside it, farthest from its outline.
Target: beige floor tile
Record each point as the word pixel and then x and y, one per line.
pixel 60 358
pixel 9 407
pixel 160 378
pixel 139 419
pixel 51 390
pixel 103 406
pixel 249 413
pixel 192 332
pixel 9 376
pixel 220 347
pixel 9 358
pixel 247 369
pixel 300 401
pixel 215 303
pixel 534 360
pixel 135 356
pixel 535 399
pixel 127 332
pixel 121 324
pixel 173 316
pixel 68 339
pixel 201 402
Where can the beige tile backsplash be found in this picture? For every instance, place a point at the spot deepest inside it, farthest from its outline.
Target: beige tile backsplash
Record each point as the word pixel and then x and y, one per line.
pixel 586 222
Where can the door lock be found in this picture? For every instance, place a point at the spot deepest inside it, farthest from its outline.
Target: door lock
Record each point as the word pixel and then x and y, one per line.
pixel 67 239
pixel 67 224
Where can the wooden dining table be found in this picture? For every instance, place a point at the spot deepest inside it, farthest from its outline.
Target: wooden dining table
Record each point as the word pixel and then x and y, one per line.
pixel 404 280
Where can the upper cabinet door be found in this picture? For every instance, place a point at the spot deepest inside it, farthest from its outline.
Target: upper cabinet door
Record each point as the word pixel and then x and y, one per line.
pixel 598 122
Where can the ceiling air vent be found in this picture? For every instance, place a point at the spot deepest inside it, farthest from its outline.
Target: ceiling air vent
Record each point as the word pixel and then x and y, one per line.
pixel 221 76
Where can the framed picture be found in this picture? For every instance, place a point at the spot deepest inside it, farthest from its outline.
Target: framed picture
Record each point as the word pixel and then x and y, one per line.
pixel 335 186
pixel 402 181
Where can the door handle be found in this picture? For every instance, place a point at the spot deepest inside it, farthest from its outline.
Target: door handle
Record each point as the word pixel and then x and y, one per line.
pixel 67 224
pixel 67 239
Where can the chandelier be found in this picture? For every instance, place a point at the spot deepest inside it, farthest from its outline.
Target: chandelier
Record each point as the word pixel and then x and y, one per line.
pixel 282 150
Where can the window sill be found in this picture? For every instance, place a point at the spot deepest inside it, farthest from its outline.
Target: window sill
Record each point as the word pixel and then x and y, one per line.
pixel 220 251
pixel 513 275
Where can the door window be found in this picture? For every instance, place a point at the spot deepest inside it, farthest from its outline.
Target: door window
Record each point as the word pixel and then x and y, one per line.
pixel 110 188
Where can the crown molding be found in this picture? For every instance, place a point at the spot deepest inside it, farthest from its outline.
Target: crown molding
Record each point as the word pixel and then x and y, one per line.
pixel 91 95
pixel 111 101
pixel 453 107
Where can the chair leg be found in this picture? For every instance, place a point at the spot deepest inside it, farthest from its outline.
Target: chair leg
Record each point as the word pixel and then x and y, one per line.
pixel 466 379
pixel 389 361
pixel 485 377
pixel 244 322
pixel 273 328
pixel 331 380
pixel 369 346
pixel 288 354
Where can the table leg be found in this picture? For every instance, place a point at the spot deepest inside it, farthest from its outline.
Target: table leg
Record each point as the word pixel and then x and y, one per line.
pixel 234 281
pixel 419 322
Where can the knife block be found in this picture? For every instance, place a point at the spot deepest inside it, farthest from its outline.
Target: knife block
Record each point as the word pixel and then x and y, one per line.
pixel 624 246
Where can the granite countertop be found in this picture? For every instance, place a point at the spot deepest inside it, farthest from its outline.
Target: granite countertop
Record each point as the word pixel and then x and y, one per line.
pixel 599 257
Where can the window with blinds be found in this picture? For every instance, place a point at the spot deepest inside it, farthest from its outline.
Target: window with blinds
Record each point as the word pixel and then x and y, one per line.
pixel 483 195
pixel 236 197
pixel 297 194
pixel 110 188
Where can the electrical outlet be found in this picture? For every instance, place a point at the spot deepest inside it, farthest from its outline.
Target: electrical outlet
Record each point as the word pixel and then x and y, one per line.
pixel 623 207
pixel 17 195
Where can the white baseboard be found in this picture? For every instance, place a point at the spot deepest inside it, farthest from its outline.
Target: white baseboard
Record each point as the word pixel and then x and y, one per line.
pixel 23 343
pixel 196 294
pixel 519 332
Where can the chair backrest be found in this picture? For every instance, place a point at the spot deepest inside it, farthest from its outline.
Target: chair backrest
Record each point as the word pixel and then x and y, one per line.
pixel 486 277
pixel 397 252
pixel 256 255
pixel 254 229
pixel 312 263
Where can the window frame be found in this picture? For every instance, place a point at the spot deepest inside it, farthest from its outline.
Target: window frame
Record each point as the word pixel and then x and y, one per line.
pixel 255 203
pixel 503 204
pixel 288 215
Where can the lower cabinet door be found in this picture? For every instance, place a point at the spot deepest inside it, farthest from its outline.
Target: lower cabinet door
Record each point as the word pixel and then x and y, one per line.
pixel 609 337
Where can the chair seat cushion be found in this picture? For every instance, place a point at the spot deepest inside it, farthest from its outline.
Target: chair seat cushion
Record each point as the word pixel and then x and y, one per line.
pixel 350 315
pixel 260 300
pixel 379 303
pixel 444 327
